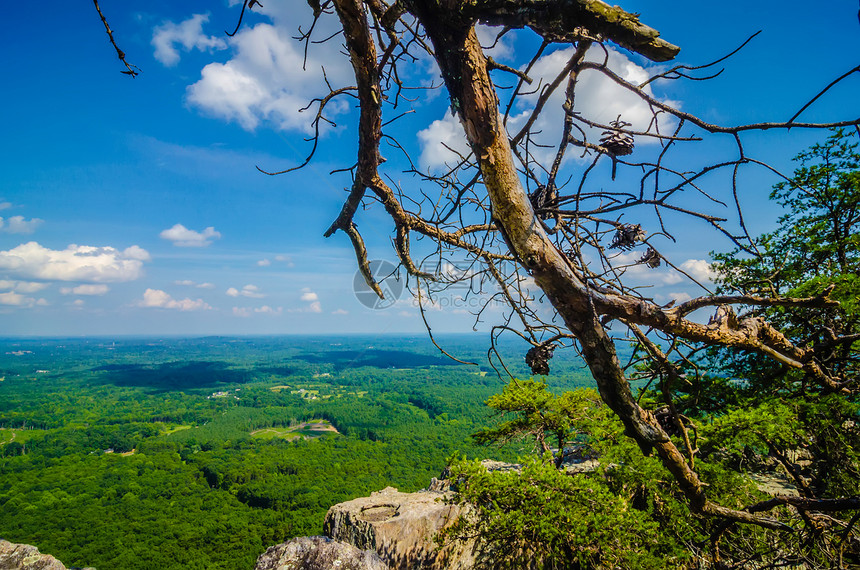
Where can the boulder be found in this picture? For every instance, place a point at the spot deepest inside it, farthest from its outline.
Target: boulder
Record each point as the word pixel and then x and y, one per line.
pixel 26 557
pixel 318 553
pixel 401 528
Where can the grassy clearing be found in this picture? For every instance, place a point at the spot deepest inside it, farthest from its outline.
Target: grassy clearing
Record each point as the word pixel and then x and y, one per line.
pixel 307 430
pixel 19 435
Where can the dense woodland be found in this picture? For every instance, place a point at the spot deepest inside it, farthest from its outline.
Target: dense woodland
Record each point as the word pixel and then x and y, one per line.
pixel 116 454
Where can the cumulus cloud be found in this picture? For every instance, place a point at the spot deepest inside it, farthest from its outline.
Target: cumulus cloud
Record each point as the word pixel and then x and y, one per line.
pixel 22 286
pixel 264 310
pixel 16 299
pixel 339 312
pixel 597 98
pixel 443 143
pixel 99 289
pixel 310 296
pixel 265 80
pixel 156 298
pixel 188 35
pixel 495 47
pixel 285 259
pixel 190 283
pixel 183 237
pixel 312 300
pixel 699 269
pixel 251 291
pixel 679 297
pixel 75 263
pixel 13 299
pixel 18 225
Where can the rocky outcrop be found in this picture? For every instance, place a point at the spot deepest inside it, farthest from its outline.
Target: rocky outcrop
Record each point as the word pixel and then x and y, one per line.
pixel 26 557
pixel 318 553
pixel 401 528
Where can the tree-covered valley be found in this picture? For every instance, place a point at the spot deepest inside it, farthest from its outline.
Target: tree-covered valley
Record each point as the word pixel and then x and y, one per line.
pixel 200 453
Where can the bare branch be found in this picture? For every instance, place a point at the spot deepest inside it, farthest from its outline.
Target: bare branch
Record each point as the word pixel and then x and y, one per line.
pixel 130 70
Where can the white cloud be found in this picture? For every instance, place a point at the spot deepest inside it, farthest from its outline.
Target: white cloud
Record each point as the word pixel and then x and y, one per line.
pixel 264 310
pixel 183 237
pixel 136 252
pixel 626 261
pixel 78 303
pixel 22 286
pixel 85 290
pixel 680 297
pixel 339 312
pixel 157 298
pixel 314 305
pixel 188 35
pixel 251 291
pixel 699 269
pixel 285 259
pixel 5 205
pixel 14 299
pixel 18 225
pixel 443 142
pixel 265 80
pixel 597 98
pixel 500 49
pixel 75 263
pixel 310 296
pixel 190 283
pixel 264 263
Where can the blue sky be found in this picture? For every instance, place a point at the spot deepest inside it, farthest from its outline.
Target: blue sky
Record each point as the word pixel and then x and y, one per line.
pixel 133 206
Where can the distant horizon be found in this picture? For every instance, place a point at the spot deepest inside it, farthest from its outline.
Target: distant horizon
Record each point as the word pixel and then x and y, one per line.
pixel 142 336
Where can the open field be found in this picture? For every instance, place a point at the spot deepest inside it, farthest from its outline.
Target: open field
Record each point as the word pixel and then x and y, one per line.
pixel 306 430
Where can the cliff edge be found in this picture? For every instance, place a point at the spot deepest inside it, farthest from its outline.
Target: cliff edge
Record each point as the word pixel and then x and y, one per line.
pixel 26 557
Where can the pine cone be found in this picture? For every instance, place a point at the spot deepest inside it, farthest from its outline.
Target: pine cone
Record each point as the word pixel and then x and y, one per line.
pixel 650 258
pixel 626 236
pixel 667 421
pixel 616 142
pixel 538 358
